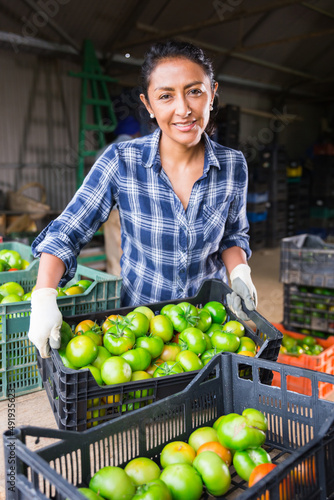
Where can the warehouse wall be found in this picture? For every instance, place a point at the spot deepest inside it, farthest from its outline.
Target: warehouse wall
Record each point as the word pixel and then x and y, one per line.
pixel 297 136
pixel 38 139
pixel 39 135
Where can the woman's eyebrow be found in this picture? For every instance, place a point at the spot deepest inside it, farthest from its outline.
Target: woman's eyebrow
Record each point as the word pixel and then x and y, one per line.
pixel 186 86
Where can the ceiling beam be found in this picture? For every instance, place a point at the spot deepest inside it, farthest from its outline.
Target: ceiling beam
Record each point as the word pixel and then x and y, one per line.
pixel 246 36
pixel 125 25
pixel 209 23
pixel 34 45
pixel 243 57
pixel 53 25
pixel 318 9
pixel 290 39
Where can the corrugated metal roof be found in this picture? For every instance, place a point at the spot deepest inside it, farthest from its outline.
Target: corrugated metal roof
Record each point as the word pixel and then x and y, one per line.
pixel 247 35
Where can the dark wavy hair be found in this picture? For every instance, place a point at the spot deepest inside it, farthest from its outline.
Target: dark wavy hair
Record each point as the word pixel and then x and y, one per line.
pixel 171 49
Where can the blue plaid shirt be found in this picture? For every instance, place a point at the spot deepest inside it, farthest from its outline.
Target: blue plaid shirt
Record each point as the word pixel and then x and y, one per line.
pixel 167 251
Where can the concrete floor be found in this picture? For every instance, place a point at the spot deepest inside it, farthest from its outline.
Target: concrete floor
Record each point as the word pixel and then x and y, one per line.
pixel 34 409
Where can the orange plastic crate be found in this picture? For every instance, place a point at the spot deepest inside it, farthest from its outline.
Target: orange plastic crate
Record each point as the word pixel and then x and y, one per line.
pixel 324 362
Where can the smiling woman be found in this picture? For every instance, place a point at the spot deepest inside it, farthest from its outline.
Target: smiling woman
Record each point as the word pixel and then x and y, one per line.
pixel 181 199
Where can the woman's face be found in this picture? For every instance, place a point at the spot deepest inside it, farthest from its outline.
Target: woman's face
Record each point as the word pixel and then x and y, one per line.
pixel 180 96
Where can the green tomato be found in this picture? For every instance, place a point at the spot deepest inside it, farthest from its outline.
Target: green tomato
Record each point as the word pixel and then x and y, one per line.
pixel 141 393
pixel 139 358
pixel 13 297
pixel 11 288
pixel 193 339
pixel 98 339
pixel 183 481
pixel 166 309
pixel 218 422
pixel 171 350
pixel 177 452
pixel 161 326
pixel 84 283
pixel 245 461
pixel 112 483
pixel 239 432
pixel 204 320
pixel 183 315
pixel 90 494
pixel 102 355
pixel 138 322
pixel 189 361
pixel 116 370
pixel 95 372
pixel 316 350
pixel 309 340
pixel 168 368
pixel 234 327
pixel 217 311
pixel 225 341
pixel 154 490
pixel 145 310
pixel 153 344
pixel 213 328
pixel 66 334
pixel 288 341
pixel 119 339
pixel 202 435
pixel 295 350
pixel 142 470
pixel 208 355
pixel 208 342
pixel 214 472
pixel 64 359
pixel 12 257
pixel 27 296
pixel 81 351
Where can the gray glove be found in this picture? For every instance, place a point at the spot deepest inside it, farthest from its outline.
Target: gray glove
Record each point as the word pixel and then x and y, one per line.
pixel 243 288
pixel 45 321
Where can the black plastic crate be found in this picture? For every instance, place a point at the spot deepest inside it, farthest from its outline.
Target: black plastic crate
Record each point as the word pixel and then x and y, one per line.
pixel 307 260
pixel 70 392
pixel 309 307
pixel 257 235
pixel 300 435
pixel 257 208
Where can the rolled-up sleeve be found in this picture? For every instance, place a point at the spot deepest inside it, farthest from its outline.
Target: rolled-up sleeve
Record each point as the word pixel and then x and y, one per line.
pixel 87 211
pixel 237 226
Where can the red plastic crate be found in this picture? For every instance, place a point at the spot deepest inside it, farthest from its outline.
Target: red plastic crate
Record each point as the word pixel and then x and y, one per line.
pixel 324 363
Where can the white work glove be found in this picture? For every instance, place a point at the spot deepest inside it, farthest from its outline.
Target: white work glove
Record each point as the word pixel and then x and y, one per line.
pixel 45 321
pixel 243 288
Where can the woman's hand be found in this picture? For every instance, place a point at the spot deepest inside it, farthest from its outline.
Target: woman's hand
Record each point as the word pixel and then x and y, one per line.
pixel 45 321
pixel 243 288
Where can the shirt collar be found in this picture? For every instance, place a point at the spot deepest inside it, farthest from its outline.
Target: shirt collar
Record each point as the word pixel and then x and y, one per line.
pixel 151 154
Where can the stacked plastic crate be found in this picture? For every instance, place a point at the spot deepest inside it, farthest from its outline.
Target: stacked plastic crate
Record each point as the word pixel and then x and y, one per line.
pixel 257 201
pixel 274 160
pixel 307 271
pixel 298 205
pixel 18 362
pixel 228 125
pixel 322 196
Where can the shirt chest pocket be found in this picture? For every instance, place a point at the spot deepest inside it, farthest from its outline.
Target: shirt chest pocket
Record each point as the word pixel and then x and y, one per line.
pixel 214 219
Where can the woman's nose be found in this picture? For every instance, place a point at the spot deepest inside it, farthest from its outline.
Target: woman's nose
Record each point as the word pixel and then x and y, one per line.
pixel 182 108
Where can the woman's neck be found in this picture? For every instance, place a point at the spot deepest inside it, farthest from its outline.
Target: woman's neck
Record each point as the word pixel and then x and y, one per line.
pixel 173 153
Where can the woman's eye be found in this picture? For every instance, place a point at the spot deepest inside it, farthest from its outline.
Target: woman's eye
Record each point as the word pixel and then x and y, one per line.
pixel 196 91
pixel 164 96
